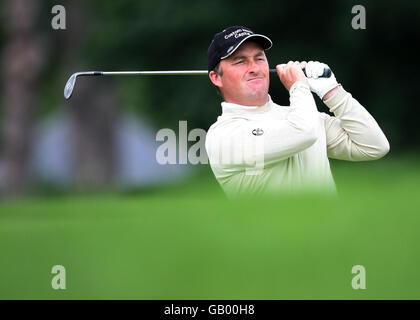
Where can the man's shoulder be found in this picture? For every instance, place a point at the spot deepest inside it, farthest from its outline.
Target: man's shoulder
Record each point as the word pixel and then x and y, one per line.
pixel 224 124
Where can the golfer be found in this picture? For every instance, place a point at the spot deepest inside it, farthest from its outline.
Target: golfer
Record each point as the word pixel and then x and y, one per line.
pixel 257 146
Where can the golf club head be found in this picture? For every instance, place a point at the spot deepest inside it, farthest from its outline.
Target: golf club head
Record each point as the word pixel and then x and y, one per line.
pixel 68 89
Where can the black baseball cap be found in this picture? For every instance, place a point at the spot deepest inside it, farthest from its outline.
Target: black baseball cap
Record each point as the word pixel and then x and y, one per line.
pixel 226 42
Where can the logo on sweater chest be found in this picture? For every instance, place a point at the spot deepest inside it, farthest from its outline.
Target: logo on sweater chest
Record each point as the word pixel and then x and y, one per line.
pixel 258 132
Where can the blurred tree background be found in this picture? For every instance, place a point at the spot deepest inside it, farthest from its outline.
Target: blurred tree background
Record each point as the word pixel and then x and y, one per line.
pixel 377 65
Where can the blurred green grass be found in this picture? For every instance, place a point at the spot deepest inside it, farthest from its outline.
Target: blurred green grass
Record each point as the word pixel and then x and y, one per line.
pixel 186 241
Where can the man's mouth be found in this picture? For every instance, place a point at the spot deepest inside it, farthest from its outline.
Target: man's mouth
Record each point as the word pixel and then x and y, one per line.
pixel 255 78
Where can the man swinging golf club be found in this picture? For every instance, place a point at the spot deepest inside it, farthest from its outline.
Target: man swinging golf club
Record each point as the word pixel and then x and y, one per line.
pixel 257 146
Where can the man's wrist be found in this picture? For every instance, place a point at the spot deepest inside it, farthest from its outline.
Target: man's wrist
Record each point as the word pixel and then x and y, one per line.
pixel 297 84
pixel 330 93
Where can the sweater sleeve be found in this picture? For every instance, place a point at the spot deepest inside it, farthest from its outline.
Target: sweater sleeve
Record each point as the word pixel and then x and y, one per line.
pixel 235 147
pixel 353 134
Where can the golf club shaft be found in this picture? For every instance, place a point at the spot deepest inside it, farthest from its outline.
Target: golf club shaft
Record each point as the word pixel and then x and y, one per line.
pixel 68 89
pixel 154 73
pixel 326 74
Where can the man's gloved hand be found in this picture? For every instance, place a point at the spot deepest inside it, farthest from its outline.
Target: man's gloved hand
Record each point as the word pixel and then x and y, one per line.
pixel 320 86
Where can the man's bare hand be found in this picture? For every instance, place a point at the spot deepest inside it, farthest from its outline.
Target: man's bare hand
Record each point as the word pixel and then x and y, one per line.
pixel 290 73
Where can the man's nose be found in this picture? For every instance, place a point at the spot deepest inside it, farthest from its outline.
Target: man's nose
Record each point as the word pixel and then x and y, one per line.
pixel 253 67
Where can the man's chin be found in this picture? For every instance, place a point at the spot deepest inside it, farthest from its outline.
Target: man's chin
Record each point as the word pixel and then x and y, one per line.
pixel 260 97
pixel 259 92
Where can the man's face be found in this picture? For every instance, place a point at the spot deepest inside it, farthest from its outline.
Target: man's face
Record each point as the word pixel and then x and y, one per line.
pixel 245 76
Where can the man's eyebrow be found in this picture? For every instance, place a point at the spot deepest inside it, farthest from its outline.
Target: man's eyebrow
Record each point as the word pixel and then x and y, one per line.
pixel 259 54
pixel 238 57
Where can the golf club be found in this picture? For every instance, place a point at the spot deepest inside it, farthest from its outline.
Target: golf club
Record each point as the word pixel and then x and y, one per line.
pixel 68 89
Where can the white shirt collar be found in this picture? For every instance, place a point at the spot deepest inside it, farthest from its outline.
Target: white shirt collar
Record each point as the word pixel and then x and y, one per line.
pixel 228 107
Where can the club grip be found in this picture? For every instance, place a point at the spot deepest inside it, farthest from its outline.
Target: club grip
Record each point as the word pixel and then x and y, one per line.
pixel 325 74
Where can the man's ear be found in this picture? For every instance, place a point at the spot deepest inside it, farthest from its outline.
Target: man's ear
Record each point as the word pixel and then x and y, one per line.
pixel 215 78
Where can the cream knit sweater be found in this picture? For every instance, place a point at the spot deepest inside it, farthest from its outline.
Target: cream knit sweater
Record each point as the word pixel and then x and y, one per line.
pixel 274 148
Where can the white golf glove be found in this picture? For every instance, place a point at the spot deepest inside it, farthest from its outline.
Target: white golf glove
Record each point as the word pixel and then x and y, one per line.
pixel 320 86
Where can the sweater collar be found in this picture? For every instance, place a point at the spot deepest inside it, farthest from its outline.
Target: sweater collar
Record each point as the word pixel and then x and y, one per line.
pixel 233 108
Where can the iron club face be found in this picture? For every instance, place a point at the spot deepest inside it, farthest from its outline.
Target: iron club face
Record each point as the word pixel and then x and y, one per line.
pixel 68 89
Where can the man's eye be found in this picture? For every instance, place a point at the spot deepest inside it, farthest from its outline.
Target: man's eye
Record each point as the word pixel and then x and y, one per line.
pixel 239 62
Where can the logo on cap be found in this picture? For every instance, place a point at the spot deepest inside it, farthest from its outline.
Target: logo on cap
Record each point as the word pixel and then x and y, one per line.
pixel 238 33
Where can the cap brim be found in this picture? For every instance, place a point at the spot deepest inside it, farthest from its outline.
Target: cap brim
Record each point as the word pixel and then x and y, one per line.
pixel 265 42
